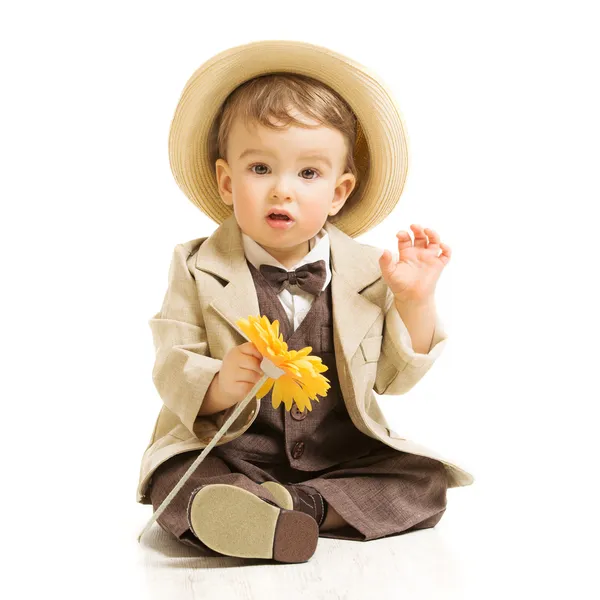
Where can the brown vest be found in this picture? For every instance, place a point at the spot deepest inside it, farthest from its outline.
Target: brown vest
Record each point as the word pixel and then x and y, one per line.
pixel 309 440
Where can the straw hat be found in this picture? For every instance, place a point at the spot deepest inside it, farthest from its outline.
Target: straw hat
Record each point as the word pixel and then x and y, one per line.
pixel 380 153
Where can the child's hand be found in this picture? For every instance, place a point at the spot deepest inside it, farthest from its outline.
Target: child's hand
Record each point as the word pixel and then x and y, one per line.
pixel 414 277
pixel 239 372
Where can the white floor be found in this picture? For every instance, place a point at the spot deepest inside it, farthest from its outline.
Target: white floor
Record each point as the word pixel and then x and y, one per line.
pixel 469 554
pixel 493 542
pixel 419 564
pixel 472 553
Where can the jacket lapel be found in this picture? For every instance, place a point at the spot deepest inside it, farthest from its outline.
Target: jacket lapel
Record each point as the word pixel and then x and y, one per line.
pixel 354 267
pixel 222 254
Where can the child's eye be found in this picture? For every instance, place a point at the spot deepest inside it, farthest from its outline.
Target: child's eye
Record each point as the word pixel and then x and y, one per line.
pixel 315 172
pixel 303 171
pixel 258 165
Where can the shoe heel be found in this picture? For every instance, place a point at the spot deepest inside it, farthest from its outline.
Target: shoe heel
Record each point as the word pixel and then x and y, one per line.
pixel 281 495
pixel 296 537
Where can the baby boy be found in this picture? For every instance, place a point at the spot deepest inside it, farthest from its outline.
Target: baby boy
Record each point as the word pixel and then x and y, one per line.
pixel 284 149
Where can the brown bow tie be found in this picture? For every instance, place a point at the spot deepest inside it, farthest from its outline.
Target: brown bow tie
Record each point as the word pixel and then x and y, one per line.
pixel 310 277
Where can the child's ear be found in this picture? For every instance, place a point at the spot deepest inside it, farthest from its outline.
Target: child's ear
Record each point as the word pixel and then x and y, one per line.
pixel 223 174
pixel 343 188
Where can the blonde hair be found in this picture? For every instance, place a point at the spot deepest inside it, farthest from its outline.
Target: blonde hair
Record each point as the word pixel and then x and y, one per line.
pixel 272 96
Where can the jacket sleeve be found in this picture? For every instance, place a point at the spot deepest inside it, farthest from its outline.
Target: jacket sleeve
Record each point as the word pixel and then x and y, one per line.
pixel 183 369
pixel 399 367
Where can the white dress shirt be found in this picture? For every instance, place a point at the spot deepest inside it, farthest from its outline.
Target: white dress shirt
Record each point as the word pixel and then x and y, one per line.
pixel 295 301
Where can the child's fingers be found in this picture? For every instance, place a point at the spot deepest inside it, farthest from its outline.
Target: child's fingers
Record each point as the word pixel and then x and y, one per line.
pixel 434 239
pixel 248 376
pixel 446 253
pixel 420 236
pixel 249 349
pixel 250 363
pixel 404 240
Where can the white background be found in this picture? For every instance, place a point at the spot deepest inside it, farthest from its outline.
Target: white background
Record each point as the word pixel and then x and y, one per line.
pixel 501 104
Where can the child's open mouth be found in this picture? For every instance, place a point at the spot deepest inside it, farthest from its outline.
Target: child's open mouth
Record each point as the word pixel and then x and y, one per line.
pixel 279 221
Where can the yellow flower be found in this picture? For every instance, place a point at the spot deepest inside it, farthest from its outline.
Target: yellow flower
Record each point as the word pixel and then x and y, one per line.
pixel 302 380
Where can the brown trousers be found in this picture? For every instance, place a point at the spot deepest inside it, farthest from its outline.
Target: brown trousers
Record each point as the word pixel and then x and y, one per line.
pixel 385 493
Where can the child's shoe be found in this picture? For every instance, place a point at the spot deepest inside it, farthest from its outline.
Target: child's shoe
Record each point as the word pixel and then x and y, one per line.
pixel 234 522
pixel 299 497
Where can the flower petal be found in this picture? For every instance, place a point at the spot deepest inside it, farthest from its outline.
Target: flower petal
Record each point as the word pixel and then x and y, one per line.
pixel 301 381
pixel 264 390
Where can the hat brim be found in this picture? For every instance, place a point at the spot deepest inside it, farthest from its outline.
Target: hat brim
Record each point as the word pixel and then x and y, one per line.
pixel 383 160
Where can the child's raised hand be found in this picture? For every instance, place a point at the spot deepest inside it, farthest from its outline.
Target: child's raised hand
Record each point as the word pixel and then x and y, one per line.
pixel 413 278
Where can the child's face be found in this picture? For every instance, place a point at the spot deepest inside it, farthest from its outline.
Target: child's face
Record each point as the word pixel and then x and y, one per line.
pixel 279 175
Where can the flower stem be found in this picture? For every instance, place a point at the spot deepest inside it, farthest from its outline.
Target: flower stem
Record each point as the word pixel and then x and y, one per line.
pixel 240 407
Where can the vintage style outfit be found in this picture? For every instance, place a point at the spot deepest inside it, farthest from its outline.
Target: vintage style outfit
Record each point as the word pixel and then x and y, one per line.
pixel 380 482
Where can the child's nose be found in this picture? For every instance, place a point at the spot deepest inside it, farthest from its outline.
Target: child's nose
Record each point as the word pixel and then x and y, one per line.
pixel 282 188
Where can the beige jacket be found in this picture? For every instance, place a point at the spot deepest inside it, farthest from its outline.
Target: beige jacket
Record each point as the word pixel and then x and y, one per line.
pixel 210 287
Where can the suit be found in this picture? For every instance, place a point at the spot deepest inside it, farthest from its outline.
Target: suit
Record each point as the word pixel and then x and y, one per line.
pixel 210 287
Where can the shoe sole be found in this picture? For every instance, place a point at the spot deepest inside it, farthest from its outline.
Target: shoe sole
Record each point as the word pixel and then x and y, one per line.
pixel 235 522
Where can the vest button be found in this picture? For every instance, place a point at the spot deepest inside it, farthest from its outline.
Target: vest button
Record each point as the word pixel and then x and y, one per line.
pixel 297 415
pixel 298 450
